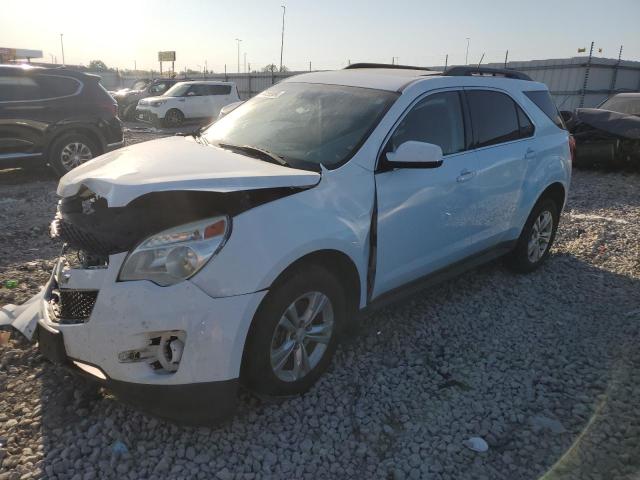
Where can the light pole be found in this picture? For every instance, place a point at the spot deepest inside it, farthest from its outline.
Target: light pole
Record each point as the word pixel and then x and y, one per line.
pixel 284 10
pixel 466 57
pixel 62 45
pixel 238 40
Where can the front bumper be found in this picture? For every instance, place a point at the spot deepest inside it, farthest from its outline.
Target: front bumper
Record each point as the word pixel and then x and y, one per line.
pixel 196 404
pixel 147 116
pixel 128 316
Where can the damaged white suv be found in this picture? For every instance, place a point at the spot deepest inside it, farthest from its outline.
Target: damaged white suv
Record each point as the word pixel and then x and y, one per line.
pixel 239 253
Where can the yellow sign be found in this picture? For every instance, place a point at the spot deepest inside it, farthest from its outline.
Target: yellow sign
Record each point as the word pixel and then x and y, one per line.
pixel 166 56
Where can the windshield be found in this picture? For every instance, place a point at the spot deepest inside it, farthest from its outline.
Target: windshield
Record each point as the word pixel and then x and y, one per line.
pixel 627 105
pixel 139 85
pixel 304 122
pixel 178 90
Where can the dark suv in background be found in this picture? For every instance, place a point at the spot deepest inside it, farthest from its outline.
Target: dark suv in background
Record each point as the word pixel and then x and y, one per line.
pixel 128 98
pixel 56 116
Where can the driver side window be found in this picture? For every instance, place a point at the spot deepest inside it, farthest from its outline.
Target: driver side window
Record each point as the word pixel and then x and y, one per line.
pixel 436 119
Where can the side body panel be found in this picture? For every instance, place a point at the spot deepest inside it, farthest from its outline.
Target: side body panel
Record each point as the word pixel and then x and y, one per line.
pixel 334 215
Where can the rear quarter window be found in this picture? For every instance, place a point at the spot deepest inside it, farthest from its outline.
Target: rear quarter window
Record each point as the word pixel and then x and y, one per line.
pixel 544 102
pixel 219 89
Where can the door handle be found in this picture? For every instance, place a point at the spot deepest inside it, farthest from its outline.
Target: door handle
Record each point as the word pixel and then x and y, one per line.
pixel 466 175
pixel 530 153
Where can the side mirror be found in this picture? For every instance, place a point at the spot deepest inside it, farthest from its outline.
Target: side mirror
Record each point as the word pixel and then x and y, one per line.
pixel 414 154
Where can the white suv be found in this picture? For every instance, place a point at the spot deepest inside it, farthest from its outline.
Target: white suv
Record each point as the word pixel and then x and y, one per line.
pixel 197 100
pixel 239 254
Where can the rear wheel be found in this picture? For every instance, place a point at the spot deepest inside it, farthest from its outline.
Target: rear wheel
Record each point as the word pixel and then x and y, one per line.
pixel 70 151
pixel 294 333
pixel 537 237
pixel 173 118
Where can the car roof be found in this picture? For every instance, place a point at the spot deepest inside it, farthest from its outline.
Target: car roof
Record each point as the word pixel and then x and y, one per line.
pixel 206 82
pixel 396 78
pixel 391 79
pixel 627 95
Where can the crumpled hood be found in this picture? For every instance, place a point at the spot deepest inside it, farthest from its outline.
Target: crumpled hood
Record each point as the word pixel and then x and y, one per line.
pixel 177 163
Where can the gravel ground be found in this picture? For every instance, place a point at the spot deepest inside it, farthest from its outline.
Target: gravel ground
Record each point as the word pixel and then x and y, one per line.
pixel 543 367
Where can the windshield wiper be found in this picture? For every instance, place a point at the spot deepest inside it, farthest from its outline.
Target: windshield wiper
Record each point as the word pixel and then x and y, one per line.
pixel 256 152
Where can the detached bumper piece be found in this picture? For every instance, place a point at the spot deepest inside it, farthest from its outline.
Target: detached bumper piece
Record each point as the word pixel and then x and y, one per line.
pixel 192 404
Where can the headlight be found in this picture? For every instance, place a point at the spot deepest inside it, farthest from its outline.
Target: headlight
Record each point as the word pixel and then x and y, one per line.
pixel 157 103
pixel 176 254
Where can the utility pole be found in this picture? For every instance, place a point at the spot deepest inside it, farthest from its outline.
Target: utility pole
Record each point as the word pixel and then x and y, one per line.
pixel 446 61
pixel 62 45
pixel 506 58
pixel 284 10
pixel 481 58
pixel 466 57
pixel 394 59
pixel 245 62
pixel 309 66
pixel 238 40
pixel 135 66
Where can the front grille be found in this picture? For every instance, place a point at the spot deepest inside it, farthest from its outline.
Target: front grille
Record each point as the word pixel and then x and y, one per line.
pixel 72 306
pixel 79 239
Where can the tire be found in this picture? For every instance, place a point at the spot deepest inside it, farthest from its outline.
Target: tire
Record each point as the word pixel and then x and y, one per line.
pixel 173 118
pixel 269 339
pixel 129 112
pixel 525 258
pixel 71 150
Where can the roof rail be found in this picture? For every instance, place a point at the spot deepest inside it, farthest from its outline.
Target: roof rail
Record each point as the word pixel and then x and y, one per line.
pixel 495 72
pixel 384 65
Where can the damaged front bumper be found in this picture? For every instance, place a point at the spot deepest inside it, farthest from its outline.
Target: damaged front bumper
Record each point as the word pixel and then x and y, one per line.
pixel 172 351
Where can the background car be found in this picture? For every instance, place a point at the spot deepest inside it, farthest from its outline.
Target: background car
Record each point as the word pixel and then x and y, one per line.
pixel 194 100
pixel 609 134
pixel 56 116
pixel 128 98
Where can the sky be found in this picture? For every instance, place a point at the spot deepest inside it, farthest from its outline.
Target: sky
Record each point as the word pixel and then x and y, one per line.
pixel 327 33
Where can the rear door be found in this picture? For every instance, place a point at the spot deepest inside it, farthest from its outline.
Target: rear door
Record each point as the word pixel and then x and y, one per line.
pixel 197 101
pixel 30 103
pixel 503 145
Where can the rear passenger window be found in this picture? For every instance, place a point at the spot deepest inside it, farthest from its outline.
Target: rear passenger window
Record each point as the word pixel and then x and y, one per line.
pixel 494 117
pixel 542 98
pixel 16 88
pixel 436 119
pixel 219 89
pixel 52 86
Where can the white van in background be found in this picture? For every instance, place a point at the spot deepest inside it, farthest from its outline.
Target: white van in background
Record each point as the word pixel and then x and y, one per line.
pixel 193 100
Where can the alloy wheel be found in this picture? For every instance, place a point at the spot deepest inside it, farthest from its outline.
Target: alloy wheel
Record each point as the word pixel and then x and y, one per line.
pixel 540 236
pixel 74 154
pixel 301 336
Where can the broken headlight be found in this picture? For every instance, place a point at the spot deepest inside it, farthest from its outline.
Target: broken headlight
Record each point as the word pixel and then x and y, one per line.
pixel 176 254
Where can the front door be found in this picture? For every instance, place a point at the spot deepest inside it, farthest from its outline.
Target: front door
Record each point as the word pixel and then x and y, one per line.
pixel 423 214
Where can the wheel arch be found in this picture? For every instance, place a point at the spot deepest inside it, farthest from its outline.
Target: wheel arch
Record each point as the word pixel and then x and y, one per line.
pixel 83 130
pixel 557 192
pixel 336 262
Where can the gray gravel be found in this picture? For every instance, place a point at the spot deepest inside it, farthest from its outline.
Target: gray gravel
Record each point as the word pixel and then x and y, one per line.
pixel 543 367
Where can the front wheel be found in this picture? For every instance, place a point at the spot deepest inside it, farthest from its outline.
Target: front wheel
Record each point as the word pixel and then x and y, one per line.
pixel 536 238
pixel 294 333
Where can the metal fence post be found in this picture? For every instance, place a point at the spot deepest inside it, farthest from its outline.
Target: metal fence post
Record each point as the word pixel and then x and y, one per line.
pixel 614 77
pixel 586 77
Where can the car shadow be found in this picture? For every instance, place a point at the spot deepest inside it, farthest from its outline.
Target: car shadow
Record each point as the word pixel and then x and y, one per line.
pixel 440 346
